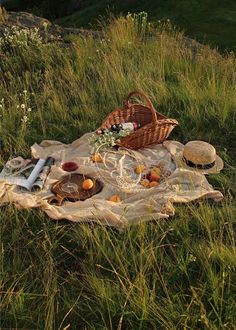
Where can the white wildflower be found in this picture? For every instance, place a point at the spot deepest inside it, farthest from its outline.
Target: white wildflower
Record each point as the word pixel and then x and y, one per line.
pixel 29 109
pixel 22 106
pixel 25 91
pixel 19 37
pixel 192 257
pixel 24 119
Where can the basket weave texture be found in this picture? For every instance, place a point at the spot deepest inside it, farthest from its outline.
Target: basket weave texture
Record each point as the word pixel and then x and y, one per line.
pixel 155 127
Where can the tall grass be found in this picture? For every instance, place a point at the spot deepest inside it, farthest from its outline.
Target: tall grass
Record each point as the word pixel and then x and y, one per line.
pixel 169 274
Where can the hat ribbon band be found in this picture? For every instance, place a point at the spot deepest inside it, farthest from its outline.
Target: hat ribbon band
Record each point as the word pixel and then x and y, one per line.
pixel 199 166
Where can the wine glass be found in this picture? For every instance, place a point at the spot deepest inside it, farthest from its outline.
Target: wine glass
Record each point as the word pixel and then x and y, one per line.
pixel 68 166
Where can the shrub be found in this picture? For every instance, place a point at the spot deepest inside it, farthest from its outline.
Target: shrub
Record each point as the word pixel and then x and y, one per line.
pixel 16 38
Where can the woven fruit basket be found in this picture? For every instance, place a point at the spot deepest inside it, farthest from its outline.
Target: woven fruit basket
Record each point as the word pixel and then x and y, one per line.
pixel 155 127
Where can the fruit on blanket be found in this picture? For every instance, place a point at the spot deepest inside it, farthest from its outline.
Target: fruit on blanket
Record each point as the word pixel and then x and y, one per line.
pixel 156 170
pixel 115 198
pixel 154 184
pixel 96 158
pixel 154 177
pixel 139 169
pixel 145 183
pixel 87 184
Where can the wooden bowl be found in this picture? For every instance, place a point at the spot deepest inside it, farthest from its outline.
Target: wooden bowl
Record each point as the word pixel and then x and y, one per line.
pixel 77 194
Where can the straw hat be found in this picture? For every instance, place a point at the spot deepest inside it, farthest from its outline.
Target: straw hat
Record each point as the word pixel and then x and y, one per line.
pixel 199 156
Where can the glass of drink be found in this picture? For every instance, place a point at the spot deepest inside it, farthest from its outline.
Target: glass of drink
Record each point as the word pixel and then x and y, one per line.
pixel 69 166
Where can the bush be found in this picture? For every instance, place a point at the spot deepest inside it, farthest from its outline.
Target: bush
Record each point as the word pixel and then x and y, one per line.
pixel 15 38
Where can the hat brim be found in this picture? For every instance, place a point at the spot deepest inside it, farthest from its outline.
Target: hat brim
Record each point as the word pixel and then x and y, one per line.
pixel 180 163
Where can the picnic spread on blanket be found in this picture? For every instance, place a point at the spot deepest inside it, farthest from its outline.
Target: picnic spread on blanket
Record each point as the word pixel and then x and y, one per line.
pixel 124 173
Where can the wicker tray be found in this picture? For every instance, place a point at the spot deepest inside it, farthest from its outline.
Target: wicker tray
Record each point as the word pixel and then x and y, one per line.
pixel 155 127
pixel 78 194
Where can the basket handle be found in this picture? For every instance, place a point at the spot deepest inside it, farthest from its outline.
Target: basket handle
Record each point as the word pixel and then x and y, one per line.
pixel 146 98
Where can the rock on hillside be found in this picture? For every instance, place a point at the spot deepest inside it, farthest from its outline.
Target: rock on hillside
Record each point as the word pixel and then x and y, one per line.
pixel 26 20
pixel 48 30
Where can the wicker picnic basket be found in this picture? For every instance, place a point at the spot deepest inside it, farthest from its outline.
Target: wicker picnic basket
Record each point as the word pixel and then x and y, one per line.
pixel 155 127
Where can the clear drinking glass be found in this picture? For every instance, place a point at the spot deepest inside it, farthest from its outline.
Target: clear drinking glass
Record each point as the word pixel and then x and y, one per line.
pixel 68 166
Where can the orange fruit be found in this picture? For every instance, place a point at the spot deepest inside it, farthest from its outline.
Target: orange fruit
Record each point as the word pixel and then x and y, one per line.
pixel 156 170
pixel 153 184
pixel 96 158
pixel 87 184
pixel 154 177
pixel 139 169
pixel 115 198
pixel 145 183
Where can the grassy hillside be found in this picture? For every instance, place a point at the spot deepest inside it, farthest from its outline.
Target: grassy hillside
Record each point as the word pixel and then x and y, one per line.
pixel 177 273
pixel 209 21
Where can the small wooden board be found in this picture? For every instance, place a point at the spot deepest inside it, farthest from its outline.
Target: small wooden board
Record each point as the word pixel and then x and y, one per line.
pixel 79 195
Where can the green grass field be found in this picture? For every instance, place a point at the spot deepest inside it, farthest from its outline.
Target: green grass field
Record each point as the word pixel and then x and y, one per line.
pixel 170 274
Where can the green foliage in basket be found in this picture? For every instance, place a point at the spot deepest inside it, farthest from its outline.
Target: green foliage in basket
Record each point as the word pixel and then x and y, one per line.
pixel 106 140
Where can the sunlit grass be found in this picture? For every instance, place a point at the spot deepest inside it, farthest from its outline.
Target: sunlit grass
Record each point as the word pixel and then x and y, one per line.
pixel 169 274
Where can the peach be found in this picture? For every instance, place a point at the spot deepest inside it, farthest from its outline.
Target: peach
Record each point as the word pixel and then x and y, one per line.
pixel 145 183
pixel 153 184
pixel 87 184
pixel 139 169
pixel 154 177
pixel 156 170
pixel 115 199
pixel 96 158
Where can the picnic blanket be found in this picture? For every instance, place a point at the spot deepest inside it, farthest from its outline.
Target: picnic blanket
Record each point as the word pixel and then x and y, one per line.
pixel 117 173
